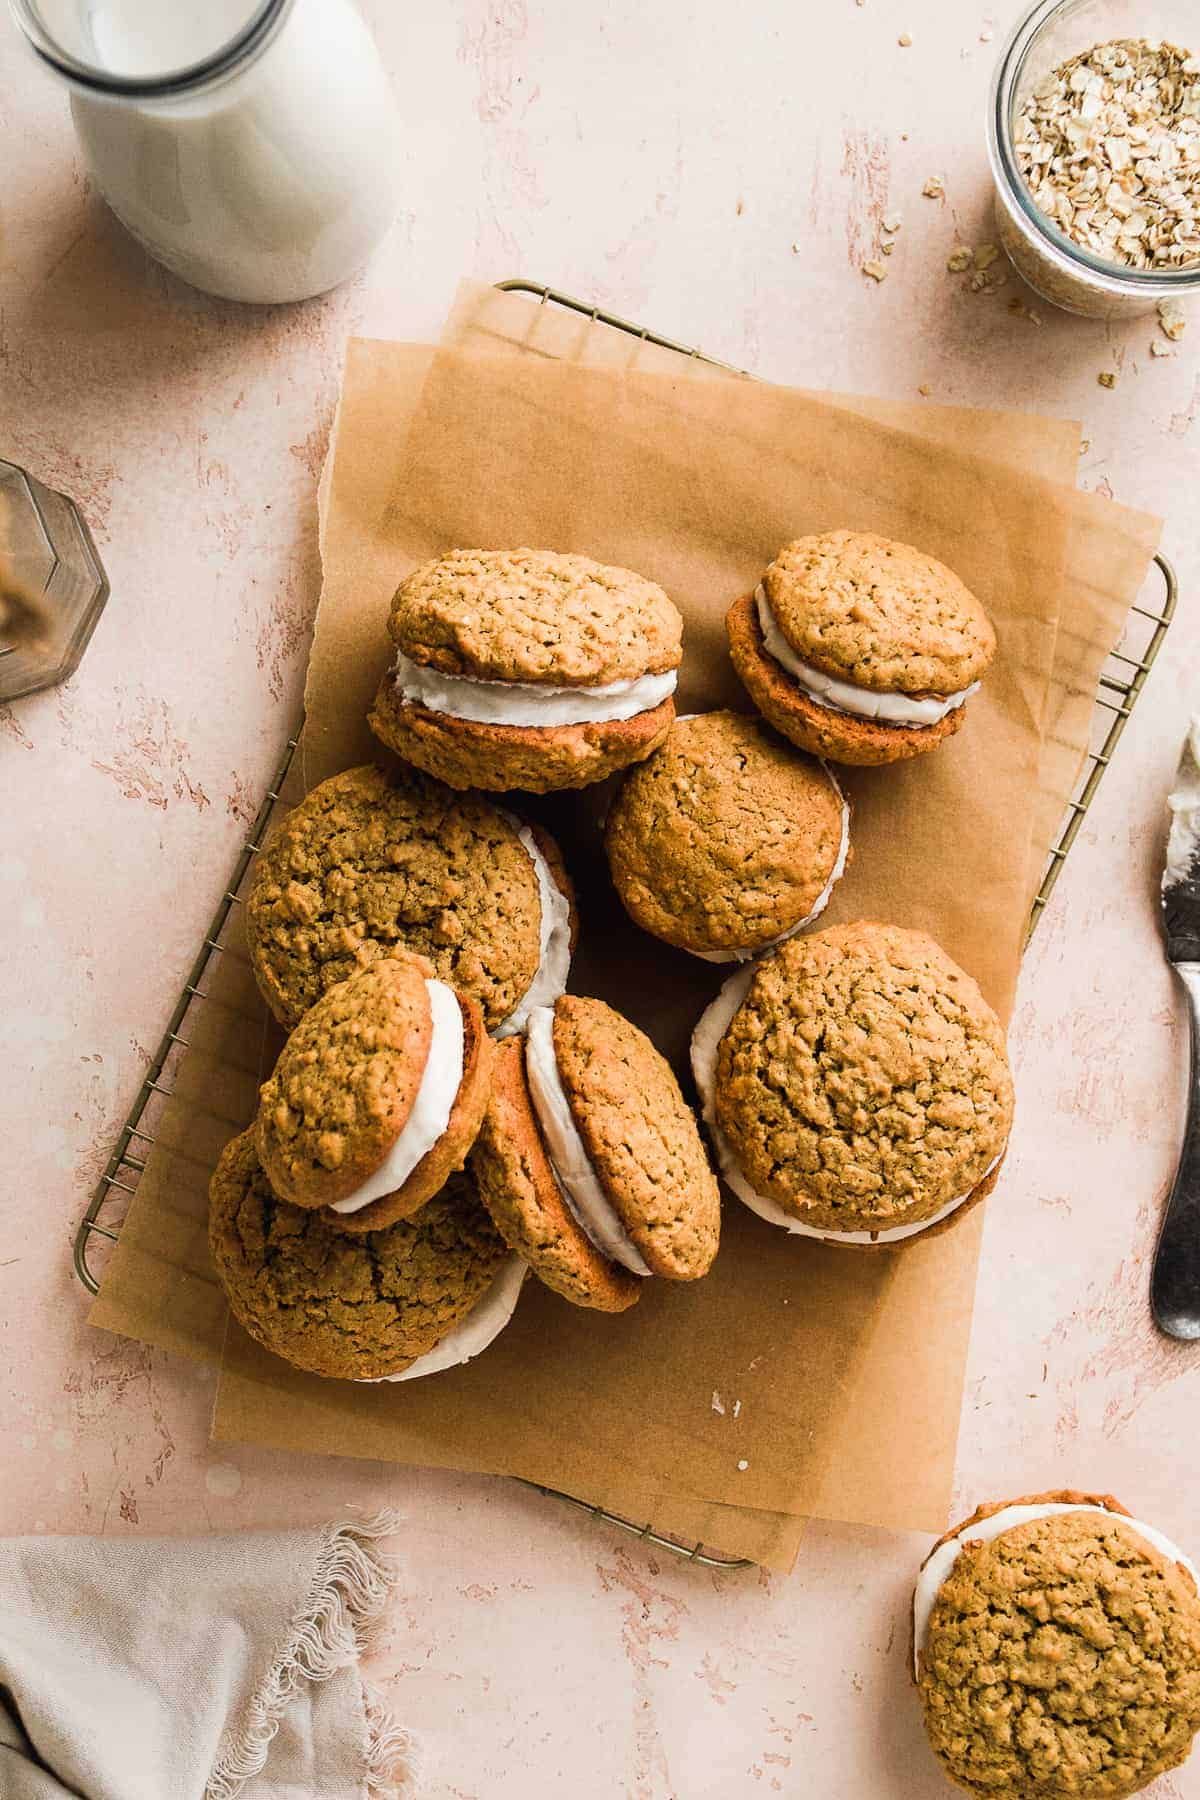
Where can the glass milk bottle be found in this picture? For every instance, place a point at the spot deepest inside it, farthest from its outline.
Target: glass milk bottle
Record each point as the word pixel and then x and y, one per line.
pixel 252 148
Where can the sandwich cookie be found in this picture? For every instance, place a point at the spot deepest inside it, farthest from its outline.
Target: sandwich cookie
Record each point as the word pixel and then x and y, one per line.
pixel 419 1296
pixel 527 669
pixel 1056 1645
pixel 590 1161
pixel 725 841
pixel 377 1096
pixel 369 864
pixel 856 1086
pixel 859 648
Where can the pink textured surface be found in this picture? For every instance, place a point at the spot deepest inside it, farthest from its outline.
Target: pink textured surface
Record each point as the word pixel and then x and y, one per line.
pixel 724 185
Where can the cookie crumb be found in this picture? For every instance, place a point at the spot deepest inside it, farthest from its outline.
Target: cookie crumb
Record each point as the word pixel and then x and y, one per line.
pixel 934 187
pixel 1158 348
pixel 1171 320
pixel 887 247
pixel 959 259
pixel 876 270
pixel 743 1464
pixel 925 389
pixel 795 249
pixel 905 40
pixel 986 35
pixel 1107 378
pixel 717 1403
pixel 985 256
pixel 893 222
pixel 1085 445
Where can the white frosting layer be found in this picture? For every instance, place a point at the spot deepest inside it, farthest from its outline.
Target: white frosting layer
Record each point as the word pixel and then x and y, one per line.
pixel 485 1321
pixel 527 702
pixel 710 1029
pixel 430 1115
pixel 1184 804
pixel 591 1207
pixel 846 696
pixel 554 955
pixel 822 901
pixel 943 1559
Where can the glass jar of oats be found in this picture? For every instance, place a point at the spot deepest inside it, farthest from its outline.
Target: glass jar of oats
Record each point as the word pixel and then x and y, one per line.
pixel 1094 139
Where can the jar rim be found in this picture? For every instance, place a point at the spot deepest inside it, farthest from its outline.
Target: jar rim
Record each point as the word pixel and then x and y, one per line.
pixel 1116 277
pixel 244 46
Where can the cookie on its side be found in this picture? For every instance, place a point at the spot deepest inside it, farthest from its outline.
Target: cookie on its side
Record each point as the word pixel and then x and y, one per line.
pixel 419 1296
pixel 860 649
pixel 1056 1649
pixel 856 1086
pixel 377 1096
pixel 590 1160
pixel 370 863
pixel 726 841
pixel 527 669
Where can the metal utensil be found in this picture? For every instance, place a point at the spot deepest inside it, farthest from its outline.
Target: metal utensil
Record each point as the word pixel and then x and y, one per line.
pixel 1175 1282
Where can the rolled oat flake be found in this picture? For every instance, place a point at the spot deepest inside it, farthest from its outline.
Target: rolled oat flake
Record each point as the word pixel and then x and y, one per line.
pixel 1109 146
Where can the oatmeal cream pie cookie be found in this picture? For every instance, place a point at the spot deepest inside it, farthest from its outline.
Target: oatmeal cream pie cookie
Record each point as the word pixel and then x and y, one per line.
pixel 527 669
pixel 855 1086
pixel 1056 1649
pixel 377 1096
pixel 860 649
pixel 590 1161
pixel 370 863
pixel 725 841
pixel 416 1297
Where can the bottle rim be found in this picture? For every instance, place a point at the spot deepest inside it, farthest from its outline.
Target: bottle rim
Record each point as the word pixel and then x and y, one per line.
pixel 243 47
pixel 1072 258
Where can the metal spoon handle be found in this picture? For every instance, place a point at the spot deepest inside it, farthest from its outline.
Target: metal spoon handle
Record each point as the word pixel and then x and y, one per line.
pixel 1175 1282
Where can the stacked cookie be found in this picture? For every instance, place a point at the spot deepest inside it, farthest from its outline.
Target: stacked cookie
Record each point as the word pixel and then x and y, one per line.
pixel 443 1117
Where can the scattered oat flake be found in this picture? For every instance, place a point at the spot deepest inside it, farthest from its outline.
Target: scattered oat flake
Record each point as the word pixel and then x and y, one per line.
pixel 717 1403
pixel 893 222
pixel 985 256
pixel 1107 378
pixel 737 1407
pixel 887 247
pixel 905 40
pixel 743 1464
pixel 959 259
pixel 1172 320
pixel 1158 348
pixel 925 389
pixel 986 35
pixel 876 270
pixel 934 187
pixel 1085 445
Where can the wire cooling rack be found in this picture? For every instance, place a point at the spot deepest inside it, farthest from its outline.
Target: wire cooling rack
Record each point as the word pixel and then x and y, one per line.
pixel 1118 690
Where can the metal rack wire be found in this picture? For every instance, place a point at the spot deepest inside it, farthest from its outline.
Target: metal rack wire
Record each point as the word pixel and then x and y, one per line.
pixel 1120 686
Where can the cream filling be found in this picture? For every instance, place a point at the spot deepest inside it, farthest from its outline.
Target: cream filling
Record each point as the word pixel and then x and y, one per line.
pixel 845 696
pixel 430 1115
pixel 822 901
pixel 528 703
pixel 711 1027
pixel 554 940
pixel 590 1206
pixel 485 1321
pixel 943 1559
pixel 1184 804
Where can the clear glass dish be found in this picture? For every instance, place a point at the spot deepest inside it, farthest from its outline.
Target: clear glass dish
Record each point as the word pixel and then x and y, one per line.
pixel 49 565
pixel 1061 271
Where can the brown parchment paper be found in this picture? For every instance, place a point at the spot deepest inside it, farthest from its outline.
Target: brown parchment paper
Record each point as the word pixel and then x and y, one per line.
pixel 161 1288
pixel 832 1355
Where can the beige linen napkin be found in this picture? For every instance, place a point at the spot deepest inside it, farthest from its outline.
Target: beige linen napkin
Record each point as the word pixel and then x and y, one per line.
pixel 196 1668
